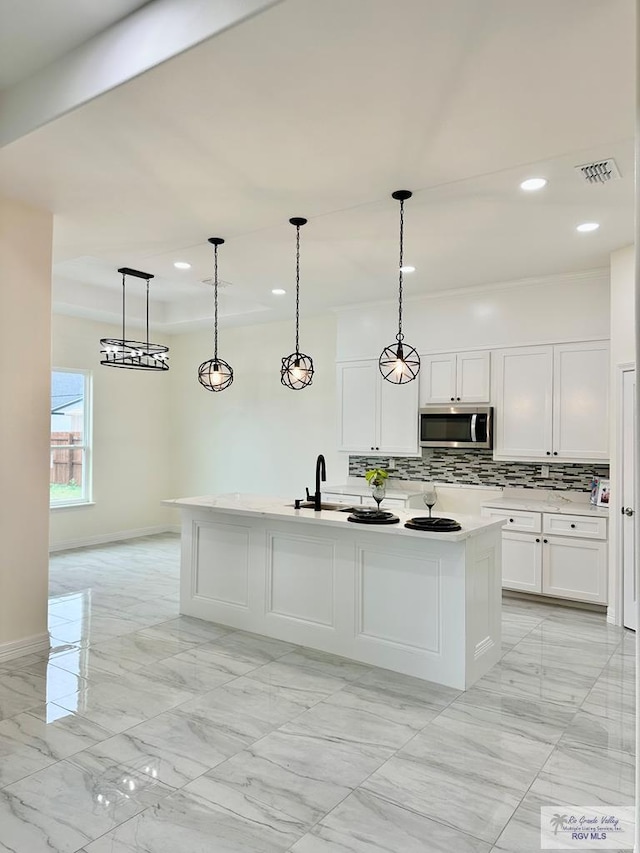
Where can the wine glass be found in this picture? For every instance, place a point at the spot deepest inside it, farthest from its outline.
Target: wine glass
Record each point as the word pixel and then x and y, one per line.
pixel 430 496
pixel 378 492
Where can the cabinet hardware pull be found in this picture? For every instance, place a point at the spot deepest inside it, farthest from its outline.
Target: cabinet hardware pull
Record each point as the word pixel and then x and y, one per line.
pixel 510 521
pixel 573 526
pixel 548 453
pixel 457 398
pixel 545 541
pixel 537 540
pixel 555 452
pixel 453 399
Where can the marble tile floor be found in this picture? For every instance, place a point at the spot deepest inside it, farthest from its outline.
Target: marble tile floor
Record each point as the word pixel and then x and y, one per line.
pixel 146 732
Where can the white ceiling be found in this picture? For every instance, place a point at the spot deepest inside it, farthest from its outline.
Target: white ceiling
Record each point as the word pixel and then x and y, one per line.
pixel 34 33
pixel 322 110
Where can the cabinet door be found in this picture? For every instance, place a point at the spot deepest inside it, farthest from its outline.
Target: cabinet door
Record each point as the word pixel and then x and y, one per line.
pixel 580 401
pixel 397 418
pixel 357 406
pixel 575 568
pixel 522 562
pixel 437 379
pixel 472 377
pixel 523 396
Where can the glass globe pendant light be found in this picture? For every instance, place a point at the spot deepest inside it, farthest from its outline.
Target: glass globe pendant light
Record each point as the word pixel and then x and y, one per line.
pixel 297 369
pixel 215 374
pixel 400 363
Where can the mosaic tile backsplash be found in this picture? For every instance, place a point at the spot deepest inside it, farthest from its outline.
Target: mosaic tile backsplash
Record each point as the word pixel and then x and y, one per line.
pixel 478 468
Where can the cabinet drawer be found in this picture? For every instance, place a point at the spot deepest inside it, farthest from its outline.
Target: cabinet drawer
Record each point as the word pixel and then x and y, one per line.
pixel 339 497
pixel 387 503
pixel 587 527
pixel 521 521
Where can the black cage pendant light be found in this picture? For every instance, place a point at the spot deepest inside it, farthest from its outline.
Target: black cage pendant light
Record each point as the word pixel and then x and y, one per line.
pixel 400 363
pixel 297 369
pixel 215 374
pixel 133 355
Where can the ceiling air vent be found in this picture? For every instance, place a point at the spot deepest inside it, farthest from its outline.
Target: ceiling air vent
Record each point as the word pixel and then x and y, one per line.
pixel 221 284
pixel 599 172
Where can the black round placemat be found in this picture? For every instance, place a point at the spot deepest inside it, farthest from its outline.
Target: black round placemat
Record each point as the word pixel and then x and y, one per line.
pixel 382 518
pixel 433 525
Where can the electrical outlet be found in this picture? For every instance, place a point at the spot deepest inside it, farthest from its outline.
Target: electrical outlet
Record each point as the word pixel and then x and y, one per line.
pixel 545 472
pixel 392 464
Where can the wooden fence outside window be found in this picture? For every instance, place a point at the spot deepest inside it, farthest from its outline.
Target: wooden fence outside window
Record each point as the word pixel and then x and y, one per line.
pixel 66 462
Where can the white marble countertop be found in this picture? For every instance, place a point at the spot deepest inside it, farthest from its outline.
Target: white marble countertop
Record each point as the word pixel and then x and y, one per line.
pixel 282 509
pixel 558 505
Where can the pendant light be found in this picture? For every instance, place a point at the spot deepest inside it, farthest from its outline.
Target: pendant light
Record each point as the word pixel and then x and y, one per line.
pixel 400 363
pixel 297 369
pixel 133 355
pixel 215 374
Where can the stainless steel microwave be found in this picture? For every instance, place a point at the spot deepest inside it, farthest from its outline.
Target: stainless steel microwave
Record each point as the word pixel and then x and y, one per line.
pixel 456 426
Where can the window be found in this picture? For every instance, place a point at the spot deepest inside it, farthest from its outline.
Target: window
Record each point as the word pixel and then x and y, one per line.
pixel 70 478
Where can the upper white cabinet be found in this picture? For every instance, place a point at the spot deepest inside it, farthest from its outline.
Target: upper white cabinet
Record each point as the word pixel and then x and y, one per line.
pixel 551 402
pixel 375 416
pixel 357 406
pixel 455 377
pixel 580 401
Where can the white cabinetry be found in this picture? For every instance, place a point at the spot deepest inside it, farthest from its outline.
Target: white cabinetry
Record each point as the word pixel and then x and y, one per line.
pixel 574 568
pixel 375 416
pixel 551 402
pixel 353 499
pixel 455 377
pixel 521 562
pixel 570 565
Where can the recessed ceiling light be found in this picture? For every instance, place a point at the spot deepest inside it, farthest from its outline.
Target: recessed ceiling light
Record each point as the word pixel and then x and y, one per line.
pixel 278 291
pixel 588 226
pixel 407 268
pixel 532 184
pixel 182 265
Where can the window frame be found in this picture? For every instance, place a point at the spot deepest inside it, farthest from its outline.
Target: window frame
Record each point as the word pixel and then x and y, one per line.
pixel 87 442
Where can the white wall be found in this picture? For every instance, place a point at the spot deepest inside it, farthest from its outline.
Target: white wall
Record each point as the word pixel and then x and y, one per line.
pixel 557 308
pixel 622 352
pixel 25 332
pixel 131 452
pixel 256 436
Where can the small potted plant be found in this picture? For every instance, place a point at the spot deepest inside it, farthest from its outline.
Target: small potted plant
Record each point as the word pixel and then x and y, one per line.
pixel 377 479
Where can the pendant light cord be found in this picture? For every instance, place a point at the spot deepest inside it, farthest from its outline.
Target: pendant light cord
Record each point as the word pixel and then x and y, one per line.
pixel 297 287
pixel 123 308
pixel 215 302
pixel 147 316
pixel 400 336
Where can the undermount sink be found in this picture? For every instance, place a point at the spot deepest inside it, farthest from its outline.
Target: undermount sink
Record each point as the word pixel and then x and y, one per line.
pixel 323 505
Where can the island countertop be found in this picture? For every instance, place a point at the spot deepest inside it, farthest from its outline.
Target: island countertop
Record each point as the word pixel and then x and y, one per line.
pixel 280 509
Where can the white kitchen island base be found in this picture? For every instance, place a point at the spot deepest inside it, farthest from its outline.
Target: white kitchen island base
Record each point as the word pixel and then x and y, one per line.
pixel 427 605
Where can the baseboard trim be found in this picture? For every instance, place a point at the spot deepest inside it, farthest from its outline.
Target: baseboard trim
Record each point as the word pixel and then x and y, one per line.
pixel 117 536
pixel 25 646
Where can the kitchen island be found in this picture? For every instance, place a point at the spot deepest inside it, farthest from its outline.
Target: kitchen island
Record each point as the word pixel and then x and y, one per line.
pixel 421 603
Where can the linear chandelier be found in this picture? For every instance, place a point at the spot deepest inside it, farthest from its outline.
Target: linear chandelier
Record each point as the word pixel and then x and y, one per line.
pixel 129 354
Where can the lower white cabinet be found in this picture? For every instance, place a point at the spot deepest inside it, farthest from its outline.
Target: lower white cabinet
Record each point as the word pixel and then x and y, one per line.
pixel 521 562
pixel 574 568
pixel 572 565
